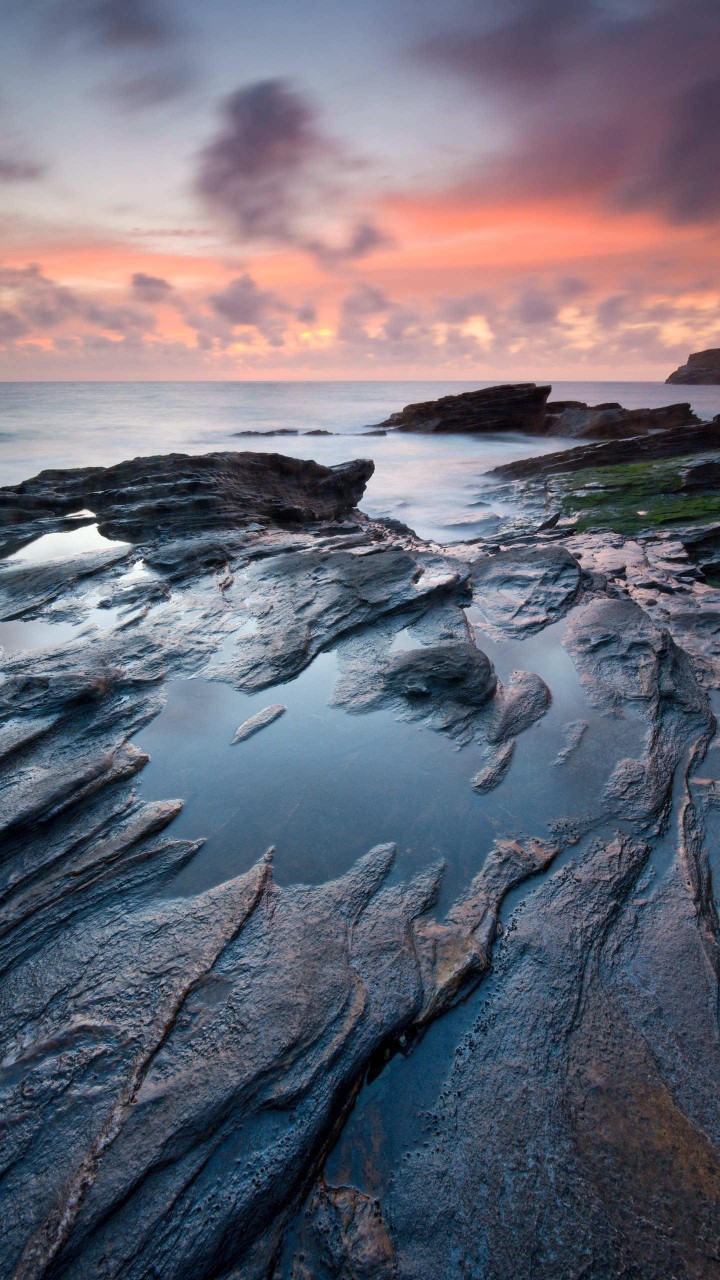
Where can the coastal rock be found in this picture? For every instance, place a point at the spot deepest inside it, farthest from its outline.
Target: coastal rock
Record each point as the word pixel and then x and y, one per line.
pixel 679 441
pixel 554 1086
pixel 176 1065
pixel 514 407
pixel 702 369
pixel 615 423
pixel 213 1095
pixel 492 775
pixel 522 590
pixel 701 476
pixel 181 494
pixel 308 599
pixel 447 683
pixel 460 674
pixel 622 657
pixel 343 1235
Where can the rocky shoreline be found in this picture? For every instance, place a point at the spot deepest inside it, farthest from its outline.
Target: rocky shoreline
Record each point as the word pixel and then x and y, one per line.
pixel 182 1071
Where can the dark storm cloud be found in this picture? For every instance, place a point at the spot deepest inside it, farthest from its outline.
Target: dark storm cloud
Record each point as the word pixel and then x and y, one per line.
pixel 357 307
pixel 460 309
pixel 242 304
pixel 620 101
pixel 128 321
pixel 11 326
pixel 150 288
pixel 17 162
pixel 537 305
pixel 272 168
pixel 149 88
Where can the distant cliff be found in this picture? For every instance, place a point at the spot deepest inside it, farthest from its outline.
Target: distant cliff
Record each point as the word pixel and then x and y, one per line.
pixel 702 369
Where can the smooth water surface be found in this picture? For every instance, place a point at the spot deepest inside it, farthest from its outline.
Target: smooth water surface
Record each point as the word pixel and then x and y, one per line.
pixel 323 785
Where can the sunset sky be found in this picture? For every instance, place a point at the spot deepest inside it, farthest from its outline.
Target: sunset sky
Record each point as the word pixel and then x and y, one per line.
pixel 372 189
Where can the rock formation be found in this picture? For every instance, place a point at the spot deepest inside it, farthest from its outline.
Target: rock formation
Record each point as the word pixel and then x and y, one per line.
pixel 680 441
pixel 702 369
pixel 612 422
pixel 181 494
pixel 525 407
pixel 516 407
pixel 181 1069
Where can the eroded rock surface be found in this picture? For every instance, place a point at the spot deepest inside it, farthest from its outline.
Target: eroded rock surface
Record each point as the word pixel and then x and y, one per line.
pixel 522 590
pixel 176 1066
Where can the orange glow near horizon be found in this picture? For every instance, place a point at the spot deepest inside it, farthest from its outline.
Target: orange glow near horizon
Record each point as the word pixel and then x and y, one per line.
pixel 441 247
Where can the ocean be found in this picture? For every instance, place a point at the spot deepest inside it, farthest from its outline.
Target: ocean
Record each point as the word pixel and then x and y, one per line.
pixel 433 483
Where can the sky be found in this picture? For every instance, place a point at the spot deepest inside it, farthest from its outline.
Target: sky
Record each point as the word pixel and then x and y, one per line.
pixel 481 189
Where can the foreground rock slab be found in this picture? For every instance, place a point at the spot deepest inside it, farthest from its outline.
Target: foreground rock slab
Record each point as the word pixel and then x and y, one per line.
pixel 179 493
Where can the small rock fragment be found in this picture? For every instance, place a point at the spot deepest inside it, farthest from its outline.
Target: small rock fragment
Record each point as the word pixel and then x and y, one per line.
pixel 258 721
pixel 492 775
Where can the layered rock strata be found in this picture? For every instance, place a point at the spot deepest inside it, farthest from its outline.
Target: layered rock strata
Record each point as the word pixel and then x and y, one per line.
pixel 176 1067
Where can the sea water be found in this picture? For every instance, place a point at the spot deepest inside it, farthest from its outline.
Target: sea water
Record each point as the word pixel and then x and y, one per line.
pixel 432 483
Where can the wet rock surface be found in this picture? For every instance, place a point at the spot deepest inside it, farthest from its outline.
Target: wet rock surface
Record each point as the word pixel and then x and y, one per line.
pixel 181 1070
pixel 177 493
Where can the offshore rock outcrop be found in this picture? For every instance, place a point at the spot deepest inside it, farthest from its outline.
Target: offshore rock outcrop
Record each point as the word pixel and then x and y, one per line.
pixel 516 407
pixel 702 369
pixel 176 1066
pixel 524 406
pixel 612 422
